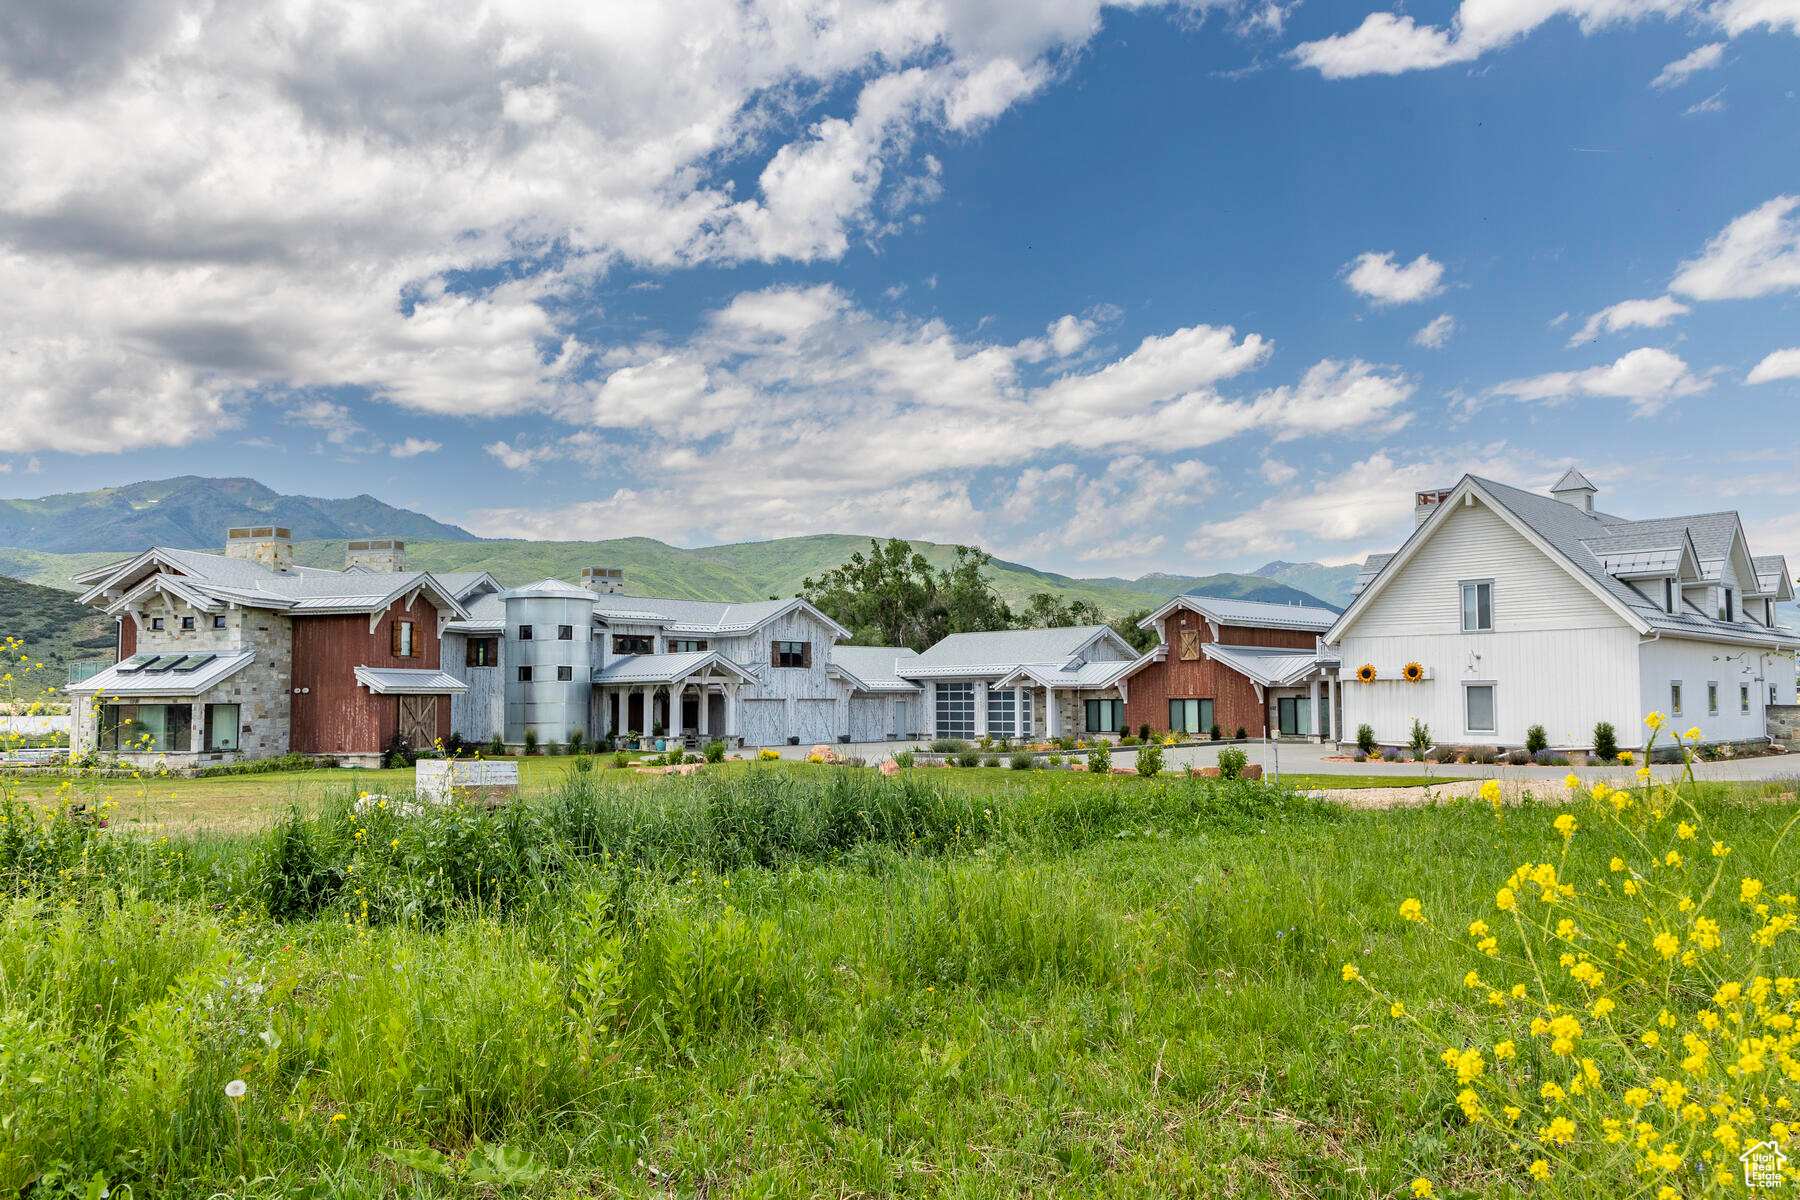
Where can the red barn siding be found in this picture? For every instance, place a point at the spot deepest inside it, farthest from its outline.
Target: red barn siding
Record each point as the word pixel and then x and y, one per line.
pixel 1235 703
pixel 334 714
pixel 127 638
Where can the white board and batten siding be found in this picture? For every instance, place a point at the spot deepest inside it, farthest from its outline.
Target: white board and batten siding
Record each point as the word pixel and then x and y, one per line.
pixel 1558 656
pixel 802 702
pixel 1697 664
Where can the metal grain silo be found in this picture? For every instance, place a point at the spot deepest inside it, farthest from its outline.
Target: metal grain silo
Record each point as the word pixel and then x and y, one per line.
pixel 549 660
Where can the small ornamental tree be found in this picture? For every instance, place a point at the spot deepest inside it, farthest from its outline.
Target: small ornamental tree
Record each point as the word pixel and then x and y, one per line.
pixel 1420 742
pixel 1606 742
pixel 1365 738
pixel 1536 739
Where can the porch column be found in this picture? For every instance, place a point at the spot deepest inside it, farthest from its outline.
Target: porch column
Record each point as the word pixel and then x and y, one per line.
pixel 648 716
pixel 1052 717
pixel 1331 708
pixel 981 690
pixel 731 722
pixel 197 726
pixel 1312 707
pixel 676 691
pixel 705 703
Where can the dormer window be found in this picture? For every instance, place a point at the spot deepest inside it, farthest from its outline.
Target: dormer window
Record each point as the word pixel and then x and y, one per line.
pixel 1728 611
pixel 1669 596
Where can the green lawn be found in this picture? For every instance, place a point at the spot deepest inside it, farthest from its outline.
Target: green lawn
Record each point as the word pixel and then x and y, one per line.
pixel 1306 783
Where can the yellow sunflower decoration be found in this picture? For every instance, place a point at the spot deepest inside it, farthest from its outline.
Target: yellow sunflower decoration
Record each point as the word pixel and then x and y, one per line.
pixel 1413 672
pixel 1366 672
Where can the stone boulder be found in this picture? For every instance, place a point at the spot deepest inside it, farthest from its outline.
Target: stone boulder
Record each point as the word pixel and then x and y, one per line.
pixel 890 768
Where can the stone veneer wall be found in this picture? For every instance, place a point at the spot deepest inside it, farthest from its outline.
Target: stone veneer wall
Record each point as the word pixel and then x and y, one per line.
pixel 263 690
pixel 1784 723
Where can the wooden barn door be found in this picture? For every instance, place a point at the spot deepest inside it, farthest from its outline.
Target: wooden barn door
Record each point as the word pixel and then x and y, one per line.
pixel 418 720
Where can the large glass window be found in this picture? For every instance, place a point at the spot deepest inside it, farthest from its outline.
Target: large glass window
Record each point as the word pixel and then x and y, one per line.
pixel 1191 716
pixel 1009 713
pixel 221 727
pixel 150 728
pixel 1478 708
pixel 633 643
pixel 956 710
pixel 1478 606
pixel 1105 716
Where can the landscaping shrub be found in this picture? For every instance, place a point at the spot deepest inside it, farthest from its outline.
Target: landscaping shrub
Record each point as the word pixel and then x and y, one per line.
pixel 969 757
pixel 575 740
pixel 948 745
pixel 903 759
pixel 1100 758
pixel 582 762
pixel 1022 761
pixel 1606 742
pixel 1240 734
pixel 992 760
pixel 263 766
pixel 715 752
pixel 1144 732
pixel 1390 755
pixel 621 759
pixel 1488 755
pixel 1232 762
pixel 1359 756
pixel 1518 758
pixel 1420 741
pixel 531 742
pixel 1365 738
pixel 1536 739
pixel 497 747
pixel 1128 740
pixel 1150 762
pixel 1215 733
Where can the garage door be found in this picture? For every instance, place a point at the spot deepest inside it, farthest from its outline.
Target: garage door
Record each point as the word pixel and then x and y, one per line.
pixel 815 721
pixel 868 719
pixel 764 722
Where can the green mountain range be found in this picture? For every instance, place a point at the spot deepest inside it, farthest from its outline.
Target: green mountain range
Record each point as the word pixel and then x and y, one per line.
pixel 194 511
pixel 56 631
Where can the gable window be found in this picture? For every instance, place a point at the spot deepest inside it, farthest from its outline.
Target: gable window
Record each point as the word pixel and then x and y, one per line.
pixel 790 654
pixel 1009 713
pixel 1743 697
pixel 1675 697
pixel 403 644
pixel 955 710
pixel 1190 716
pixel 219 621
pixel 1769 613
pixel 633 643
pixel 524 633
pixel 482 652
pixel 565 633
pixel 1712 699
pixel 1105 716
pixel 187 623
pixel 1478 606
pixel 156 622
pixel 1728 612
pixel 1669 596
pixel 524 674
pixel 565 674
pixel 687 645
pixel 1478 708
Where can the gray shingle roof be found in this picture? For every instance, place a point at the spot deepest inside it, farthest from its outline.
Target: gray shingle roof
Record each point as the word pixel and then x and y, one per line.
pixel 1572 481
pixel 1370 569
pixel 1002 650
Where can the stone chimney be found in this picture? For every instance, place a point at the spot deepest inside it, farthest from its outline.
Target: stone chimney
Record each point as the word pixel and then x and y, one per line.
pixel 603 581
pixel 380 555
pixel 1574 489
pixel 270 545
pixel 1426 503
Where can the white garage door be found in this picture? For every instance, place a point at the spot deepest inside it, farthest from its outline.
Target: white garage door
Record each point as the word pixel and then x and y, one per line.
pixel 868 719
pixel 815 721
pixel 764 722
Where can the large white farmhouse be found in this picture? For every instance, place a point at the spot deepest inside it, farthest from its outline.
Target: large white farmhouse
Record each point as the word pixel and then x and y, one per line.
pixel 1524 609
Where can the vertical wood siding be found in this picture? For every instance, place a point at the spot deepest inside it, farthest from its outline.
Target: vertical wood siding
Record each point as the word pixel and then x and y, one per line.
pixel 1235 702
pixel 336 715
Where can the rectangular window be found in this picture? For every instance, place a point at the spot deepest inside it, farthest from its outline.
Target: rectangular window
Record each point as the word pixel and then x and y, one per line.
pixel 1675 697
pixel 146 728
pixel 221 732
pixel 1712 699
pixel 565 633
pixel 187 622
pixel 524 674
pixel 1668 595
pixel 790 654
pixel 1478 606
pixel 219 621
pixel 1478 708
pixel 1743 697
pixel 403 640
pixel 687 645
pixel 1191 716
pixel 524 633
pixel 565 674
pixel 956 710
pixel 1105 716
pixel 1009 713
pixel 156 622
pixel 1728 611
pixel 482 652
pixel 633 643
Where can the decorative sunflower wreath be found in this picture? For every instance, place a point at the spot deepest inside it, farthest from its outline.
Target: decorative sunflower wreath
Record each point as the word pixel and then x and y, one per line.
pixel 1413 672
pixel 1366 672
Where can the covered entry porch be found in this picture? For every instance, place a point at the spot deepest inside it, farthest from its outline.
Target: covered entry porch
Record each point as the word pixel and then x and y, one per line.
pixel 1297 688
pixel 671 695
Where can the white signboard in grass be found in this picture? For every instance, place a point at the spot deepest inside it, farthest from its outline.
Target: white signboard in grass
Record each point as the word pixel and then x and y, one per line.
pixel 439 778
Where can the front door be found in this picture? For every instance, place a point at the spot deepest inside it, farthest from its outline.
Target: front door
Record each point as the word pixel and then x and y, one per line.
pixel 418 720
pixel 1293 715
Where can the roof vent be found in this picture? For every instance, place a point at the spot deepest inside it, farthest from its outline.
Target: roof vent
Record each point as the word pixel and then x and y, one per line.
pixel 380 555
pixel 270 545
pixel 603 581
pixel 1574 489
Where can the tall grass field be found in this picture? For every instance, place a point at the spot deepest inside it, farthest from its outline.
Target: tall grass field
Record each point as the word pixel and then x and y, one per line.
pixel 773 983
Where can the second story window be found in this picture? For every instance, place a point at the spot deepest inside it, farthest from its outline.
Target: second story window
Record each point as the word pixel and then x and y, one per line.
pixel 565 633
pixel 187 623
pixel 1669 596
pixel 219 621
pixel 524 633
pixel 1728 610
pixel 156 622
pixel 524 674
pixel 482 652
pixel 687 645
pixel 1478 606
pixel 633 643
pixel 404 645
pixel 790 654
pixel 565 674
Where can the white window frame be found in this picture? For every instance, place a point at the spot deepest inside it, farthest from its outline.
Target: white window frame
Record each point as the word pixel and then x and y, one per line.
pixel 1675 691
pixel 1669 596
pixel 1712 697
pixel 1730 611
pixel 1493 687
pixel 1743 698
pixel 1462 604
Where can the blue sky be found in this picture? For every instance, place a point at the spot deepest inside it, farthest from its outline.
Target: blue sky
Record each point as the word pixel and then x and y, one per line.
pixel 1106 289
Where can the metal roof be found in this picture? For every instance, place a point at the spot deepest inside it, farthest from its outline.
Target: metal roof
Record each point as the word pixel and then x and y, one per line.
pixel 1270 666
pixel 156 679
pixel 1088 677
pixel 1252 614
pixel 667 668
pixel 872 668
pixel 547 589
pixel 193 573
pixel 409 681
pixel 1001 650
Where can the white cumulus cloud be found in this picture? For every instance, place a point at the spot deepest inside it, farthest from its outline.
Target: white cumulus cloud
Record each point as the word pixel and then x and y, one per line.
pixel 1705 58
pixel 1757 254
pixel 1782 364
pixel 1630 314
pixel 1436 333
pixel 413 447
pixel 1648 377
pixel 1378 278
